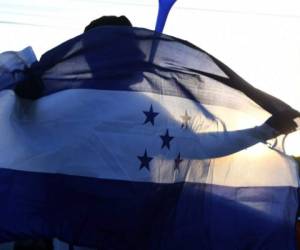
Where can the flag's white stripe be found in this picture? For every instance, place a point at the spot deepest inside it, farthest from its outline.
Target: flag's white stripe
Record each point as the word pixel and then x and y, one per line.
pixel 100 134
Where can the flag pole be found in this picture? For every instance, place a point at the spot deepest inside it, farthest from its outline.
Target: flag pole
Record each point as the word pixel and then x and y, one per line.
pixel 163 12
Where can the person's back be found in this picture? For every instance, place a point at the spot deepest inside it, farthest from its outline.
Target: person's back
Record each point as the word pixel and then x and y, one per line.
pixel 275 122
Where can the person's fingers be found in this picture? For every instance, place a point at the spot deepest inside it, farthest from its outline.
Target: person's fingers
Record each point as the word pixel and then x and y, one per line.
pixel 282 123
pixel 292 125
pixel 288 114
pixel 288 126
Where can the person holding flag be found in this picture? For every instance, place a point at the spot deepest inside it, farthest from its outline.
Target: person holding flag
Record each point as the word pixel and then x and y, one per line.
pixel 138 145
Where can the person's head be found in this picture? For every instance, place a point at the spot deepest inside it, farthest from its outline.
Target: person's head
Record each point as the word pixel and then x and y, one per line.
pixel 108 20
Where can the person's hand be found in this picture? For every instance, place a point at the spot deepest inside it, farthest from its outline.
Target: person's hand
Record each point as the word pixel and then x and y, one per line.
pixel 282 123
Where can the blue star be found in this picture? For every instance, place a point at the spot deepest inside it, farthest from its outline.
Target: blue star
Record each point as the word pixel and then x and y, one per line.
pixel 178 160
pixel 145 160
pixel 150 115
pixel 166 139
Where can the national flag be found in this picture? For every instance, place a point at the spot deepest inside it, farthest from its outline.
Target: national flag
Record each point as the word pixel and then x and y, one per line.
pixel 118 151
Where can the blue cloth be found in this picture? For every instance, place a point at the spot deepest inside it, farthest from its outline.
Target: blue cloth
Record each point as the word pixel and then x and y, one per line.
pixel 118 151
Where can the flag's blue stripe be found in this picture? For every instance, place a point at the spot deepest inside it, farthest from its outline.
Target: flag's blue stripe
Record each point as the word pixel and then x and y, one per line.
pixel 131 215
pixel 113 59
pixel 208 92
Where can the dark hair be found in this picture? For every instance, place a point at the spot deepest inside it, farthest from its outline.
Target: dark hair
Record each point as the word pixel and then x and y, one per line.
pixel 108 20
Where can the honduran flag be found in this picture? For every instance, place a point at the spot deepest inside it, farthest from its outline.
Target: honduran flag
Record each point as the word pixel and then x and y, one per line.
pixel 122 138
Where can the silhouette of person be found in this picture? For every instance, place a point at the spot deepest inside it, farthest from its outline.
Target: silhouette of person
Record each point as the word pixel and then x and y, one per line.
pixel 108 21
pixel 281 122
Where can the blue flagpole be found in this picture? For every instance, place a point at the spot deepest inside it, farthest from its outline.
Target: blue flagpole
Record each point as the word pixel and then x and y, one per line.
pixel 163 12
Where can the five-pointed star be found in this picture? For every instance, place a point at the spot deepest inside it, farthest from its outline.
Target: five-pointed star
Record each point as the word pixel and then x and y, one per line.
pixel 178 160
pixel 145 160
pixel 150 115
pixel 185 119
pixel 166 139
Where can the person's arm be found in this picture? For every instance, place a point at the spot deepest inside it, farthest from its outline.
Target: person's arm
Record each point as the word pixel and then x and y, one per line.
pixel 218 144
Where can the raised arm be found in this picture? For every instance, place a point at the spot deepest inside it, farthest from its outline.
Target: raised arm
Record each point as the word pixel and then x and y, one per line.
pixel 218 144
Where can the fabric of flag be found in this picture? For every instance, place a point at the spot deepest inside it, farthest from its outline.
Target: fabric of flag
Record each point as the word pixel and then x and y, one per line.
pixel 123 146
